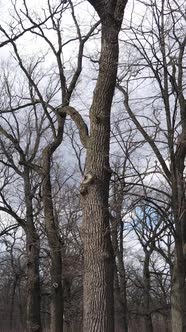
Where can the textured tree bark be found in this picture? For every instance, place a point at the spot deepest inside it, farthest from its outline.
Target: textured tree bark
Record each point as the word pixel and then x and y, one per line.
pixel 56 324
pixel 33 248
pixel 178 303
pixel 98 252
pixel 178 291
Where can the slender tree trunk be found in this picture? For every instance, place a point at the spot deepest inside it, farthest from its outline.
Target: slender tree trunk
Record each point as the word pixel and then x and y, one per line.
pixel 98 252
pixel 122 280
pixel 55 248
pixel 146 280
pixel 33 248
pixel 120 277
pixel 12 302
pixel 121 312
pixel 20 306
pixel 33 283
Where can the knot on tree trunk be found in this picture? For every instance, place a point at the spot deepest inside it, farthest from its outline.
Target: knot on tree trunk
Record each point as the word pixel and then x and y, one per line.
pixel 181 152
pixel 88 179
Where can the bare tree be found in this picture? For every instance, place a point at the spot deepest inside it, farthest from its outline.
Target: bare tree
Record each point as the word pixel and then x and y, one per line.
pixel 98 252
pixel 56 120
pixel 12 274
pixel 160 48
pixel 14 157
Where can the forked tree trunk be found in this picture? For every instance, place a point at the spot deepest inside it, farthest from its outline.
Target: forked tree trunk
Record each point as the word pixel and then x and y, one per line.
pixel 33 248
pixel 98 252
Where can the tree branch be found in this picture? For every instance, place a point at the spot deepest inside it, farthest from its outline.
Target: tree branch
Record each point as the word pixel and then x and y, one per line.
pixel 77 118
pixel 145 134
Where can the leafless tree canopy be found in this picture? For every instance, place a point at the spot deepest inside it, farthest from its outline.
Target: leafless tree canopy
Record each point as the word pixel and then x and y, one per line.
pixel 92 166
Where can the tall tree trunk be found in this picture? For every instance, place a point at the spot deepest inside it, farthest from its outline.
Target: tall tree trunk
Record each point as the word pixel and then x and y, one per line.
pixel 33 248
pixel 122 281
pixel 121 314
pixel 179 205
pixel 120 275
pixel 178 291
pixel 146 281
pixel 178 303
pixel 55 248
pixel 33 282
pixel 98 252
